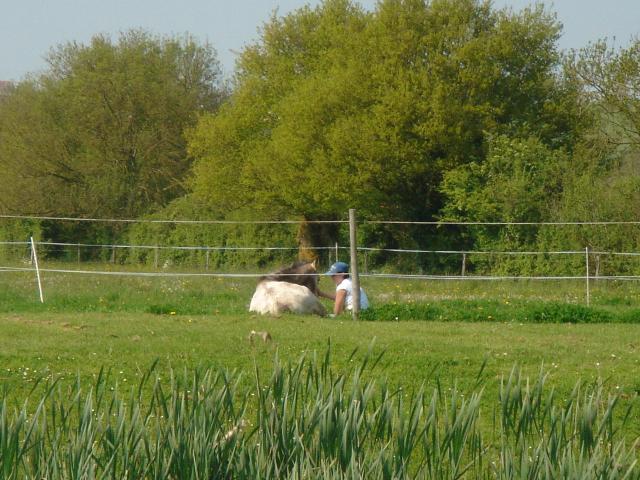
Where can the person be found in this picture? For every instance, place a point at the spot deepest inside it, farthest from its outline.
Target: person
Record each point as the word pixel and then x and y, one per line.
pixel 343 298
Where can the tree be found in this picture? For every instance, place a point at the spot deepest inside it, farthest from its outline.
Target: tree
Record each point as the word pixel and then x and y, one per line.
pixel 611 81
pixel 101 133
pixel 520 180
pixel 605 180
pixel 335 107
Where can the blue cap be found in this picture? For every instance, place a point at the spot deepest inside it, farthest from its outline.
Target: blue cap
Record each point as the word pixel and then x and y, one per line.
pixel 337 268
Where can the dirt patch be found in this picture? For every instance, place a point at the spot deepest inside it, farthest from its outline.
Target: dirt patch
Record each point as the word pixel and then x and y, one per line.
pixel 69 326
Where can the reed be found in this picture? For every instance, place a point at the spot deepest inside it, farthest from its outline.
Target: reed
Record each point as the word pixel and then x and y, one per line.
pixel 304 420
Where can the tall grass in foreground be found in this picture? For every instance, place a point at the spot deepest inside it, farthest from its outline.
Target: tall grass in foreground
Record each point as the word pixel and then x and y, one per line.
pixel 306 421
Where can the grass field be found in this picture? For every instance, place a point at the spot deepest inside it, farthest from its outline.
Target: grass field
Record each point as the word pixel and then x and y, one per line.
pixel 126 322
pixel 445 334
pixel 57 344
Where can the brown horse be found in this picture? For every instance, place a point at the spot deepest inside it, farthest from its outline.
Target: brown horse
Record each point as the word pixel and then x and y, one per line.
pixel 301 273
pixel 291 289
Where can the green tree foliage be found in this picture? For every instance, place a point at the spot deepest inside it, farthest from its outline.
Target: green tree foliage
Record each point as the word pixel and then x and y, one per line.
pixel 233 246
pixel 611 80
pixel 595 179
pixel 604 183
pixel 335 107
pixel 101 132
pixel 518 181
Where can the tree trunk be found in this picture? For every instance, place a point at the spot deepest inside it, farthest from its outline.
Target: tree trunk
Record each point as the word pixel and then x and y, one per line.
pixel 313 235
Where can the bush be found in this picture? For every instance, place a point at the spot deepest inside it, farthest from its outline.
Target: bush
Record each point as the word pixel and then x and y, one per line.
pixel 17 231
pixel 405 311
pixel 222 239
pixel 483 311
pixel 569 313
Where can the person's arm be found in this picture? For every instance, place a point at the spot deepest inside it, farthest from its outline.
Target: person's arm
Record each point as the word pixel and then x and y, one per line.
pixel 338 306
pixel 322 294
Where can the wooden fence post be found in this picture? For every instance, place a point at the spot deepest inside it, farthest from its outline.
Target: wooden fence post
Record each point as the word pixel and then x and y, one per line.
pixel 586 252
pixel 355 280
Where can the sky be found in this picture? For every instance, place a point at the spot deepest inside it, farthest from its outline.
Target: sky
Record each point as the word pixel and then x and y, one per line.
pixel 30 28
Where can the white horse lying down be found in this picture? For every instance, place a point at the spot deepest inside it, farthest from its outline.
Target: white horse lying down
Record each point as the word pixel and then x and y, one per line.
pixel 276 297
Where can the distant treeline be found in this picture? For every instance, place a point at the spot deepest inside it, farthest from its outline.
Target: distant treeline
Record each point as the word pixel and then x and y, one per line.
pixel 418 111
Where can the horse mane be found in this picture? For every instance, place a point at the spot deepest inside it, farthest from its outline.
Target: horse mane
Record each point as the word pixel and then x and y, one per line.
pixel 300 273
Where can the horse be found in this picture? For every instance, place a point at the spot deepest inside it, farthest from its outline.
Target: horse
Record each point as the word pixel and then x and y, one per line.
pixel 292 289
pixel 300 273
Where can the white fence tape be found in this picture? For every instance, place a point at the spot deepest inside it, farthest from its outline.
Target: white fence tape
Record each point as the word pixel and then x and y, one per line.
pixel 152 274
pixel 332 248
pixel 274 222
pixel 492 252
pixel 188 222
pixel 400 222
pixel 371 275
pixel 506 277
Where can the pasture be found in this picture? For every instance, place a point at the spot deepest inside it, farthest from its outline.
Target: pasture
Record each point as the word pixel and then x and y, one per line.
pixel 447 337
pixel 446 328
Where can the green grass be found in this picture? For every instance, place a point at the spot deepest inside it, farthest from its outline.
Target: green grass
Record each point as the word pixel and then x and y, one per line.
pixel 307 420
pixel 56 344
pixel 494 311
pixel 393 300
pixel 126 322
pixel 435 335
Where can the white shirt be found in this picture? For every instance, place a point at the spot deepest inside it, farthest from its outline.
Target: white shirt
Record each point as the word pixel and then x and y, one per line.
pixel 347 286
